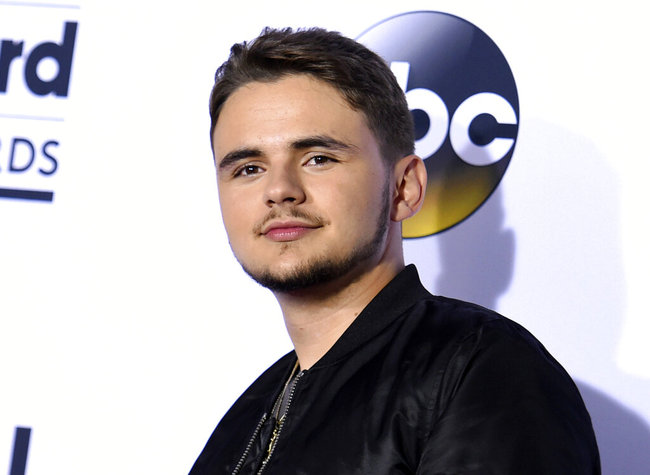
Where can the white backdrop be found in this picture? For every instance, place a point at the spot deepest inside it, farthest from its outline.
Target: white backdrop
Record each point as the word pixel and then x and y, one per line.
pixel 127 328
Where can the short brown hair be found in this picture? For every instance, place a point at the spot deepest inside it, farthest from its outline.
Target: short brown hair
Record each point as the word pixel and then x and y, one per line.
pixel 360 75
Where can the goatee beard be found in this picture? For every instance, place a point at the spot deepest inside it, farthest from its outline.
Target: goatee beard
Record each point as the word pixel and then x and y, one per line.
pixel 324 269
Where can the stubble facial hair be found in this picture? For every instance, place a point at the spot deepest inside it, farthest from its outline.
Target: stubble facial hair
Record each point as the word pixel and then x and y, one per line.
pixel 323 269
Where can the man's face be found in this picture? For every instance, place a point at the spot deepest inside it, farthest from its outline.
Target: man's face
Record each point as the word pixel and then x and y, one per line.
pixel 302 183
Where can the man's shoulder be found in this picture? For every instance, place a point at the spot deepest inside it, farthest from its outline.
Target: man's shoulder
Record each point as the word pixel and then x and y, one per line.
pixel 405 298
pixel 455 320
pixel 455 330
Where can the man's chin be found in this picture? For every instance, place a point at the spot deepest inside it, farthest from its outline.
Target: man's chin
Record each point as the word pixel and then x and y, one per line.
pixel 296 279
pixel 316 273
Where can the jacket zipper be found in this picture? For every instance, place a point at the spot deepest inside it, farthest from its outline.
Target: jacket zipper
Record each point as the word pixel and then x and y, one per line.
pixel 277 430
pixel 250 445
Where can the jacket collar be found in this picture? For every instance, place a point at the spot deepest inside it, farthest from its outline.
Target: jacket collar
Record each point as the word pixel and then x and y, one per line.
pixel 397 297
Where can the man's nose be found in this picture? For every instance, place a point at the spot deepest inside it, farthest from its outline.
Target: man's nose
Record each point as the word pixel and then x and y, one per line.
pixel 284 185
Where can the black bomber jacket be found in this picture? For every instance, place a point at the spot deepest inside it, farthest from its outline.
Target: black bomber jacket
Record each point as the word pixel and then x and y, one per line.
pixel 418 384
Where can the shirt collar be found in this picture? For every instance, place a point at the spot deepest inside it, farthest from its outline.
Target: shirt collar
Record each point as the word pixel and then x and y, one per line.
pixel 395 299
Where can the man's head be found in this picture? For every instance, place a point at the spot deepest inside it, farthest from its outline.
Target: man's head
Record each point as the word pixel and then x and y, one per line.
pixel 360 76
pixel 311 185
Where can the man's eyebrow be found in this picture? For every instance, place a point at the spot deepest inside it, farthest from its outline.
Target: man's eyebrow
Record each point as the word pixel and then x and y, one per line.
pixel 237 155
pixel 323 141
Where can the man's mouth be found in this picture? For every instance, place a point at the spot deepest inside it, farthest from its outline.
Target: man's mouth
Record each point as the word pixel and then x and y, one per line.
pixel 283 231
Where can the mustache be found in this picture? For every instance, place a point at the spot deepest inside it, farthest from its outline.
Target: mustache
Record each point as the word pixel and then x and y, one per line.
pixel 309 218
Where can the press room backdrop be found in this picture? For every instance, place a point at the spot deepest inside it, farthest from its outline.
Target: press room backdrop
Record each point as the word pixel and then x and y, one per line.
pixel 127 328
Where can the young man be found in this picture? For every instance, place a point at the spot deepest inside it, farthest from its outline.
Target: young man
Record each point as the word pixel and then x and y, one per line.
pixel 313 144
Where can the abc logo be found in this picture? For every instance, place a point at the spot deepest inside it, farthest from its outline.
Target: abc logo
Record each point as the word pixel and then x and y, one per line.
pixel 464 102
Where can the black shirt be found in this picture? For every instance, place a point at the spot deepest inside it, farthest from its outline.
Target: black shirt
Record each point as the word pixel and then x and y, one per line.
pixel 418 384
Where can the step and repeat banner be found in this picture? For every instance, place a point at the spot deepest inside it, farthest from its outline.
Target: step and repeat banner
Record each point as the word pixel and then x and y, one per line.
pixel 126 326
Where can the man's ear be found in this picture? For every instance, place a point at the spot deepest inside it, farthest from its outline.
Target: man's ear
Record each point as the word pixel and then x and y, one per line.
pixel 410 175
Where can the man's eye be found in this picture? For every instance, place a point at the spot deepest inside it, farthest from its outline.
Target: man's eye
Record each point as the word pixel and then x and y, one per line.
pixel 247 170
pixel 319 160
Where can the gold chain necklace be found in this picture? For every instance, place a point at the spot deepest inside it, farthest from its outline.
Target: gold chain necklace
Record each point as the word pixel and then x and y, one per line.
pixel 279 419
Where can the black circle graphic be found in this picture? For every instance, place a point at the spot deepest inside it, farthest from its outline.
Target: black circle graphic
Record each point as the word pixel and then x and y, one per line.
pixel 464 102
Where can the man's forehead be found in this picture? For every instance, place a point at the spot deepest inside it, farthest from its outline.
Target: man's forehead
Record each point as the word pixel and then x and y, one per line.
pixel 298 99
pixel 287 88
pixel 295 106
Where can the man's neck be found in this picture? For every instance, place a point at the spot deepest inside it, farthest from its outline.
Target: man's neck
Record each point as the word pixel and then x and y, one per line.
pixel 316 318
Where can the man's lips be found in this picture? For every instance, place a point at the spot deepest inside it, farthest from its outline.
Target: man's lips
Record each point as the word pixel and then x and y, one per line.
pixel 282 231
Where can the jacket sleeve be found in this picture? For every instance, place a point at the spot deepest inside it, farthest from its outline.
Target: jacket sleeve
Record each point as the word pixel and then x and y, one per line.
pixel 505 406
